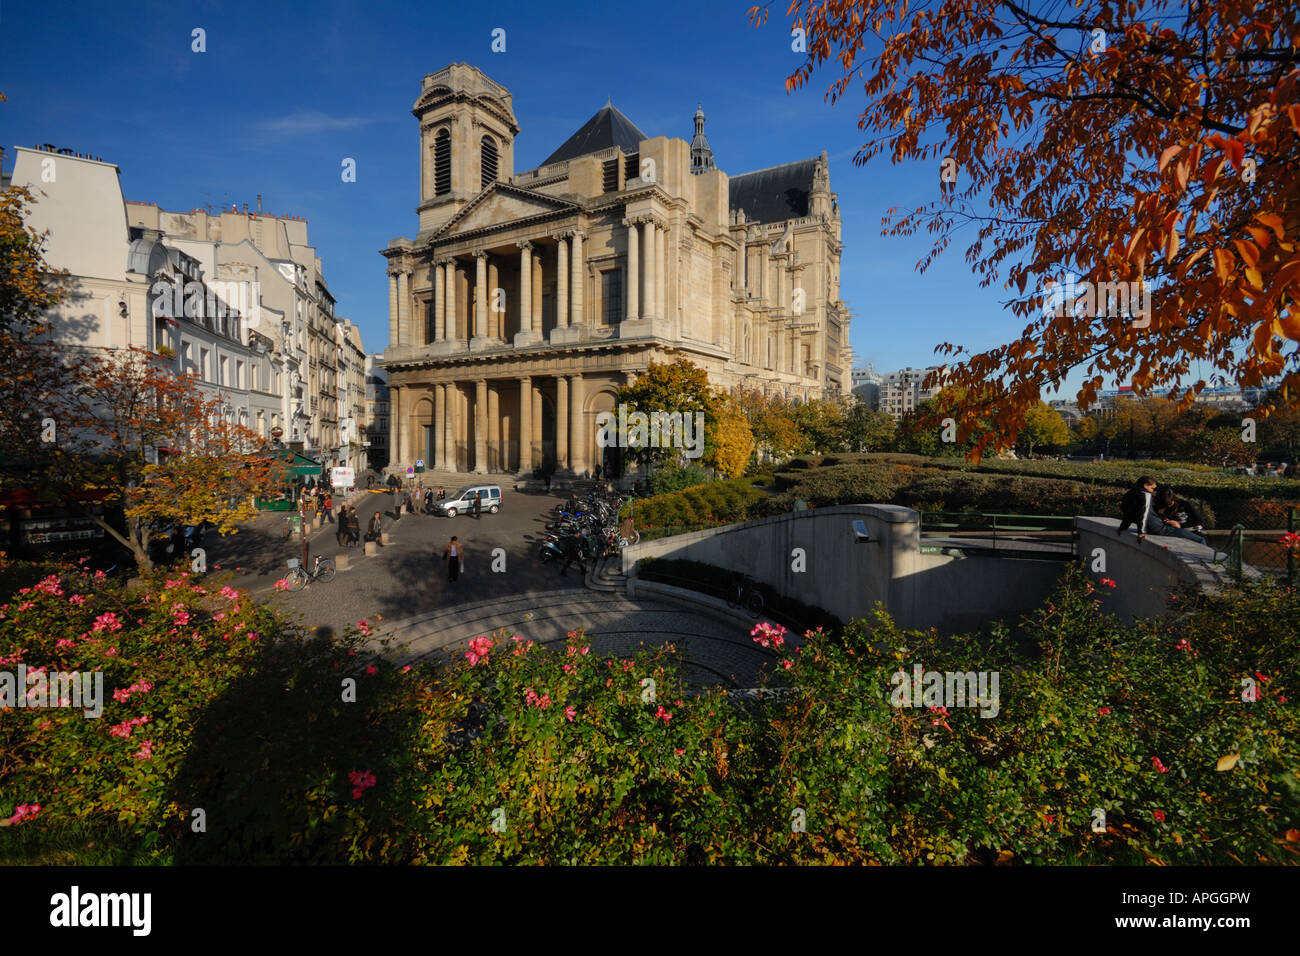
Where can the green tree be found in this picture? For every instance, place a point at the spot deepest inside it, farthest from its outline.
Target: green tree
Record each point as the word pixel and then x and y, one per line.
pixel 31 373
pixel 677 389
pixel 771 419
pixel 866 429
pixel 822 423
pixel 1044 428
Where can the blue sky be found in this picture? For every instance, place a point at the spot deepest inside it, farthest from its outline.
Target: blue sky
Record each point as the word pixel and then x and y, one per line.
pixel 286 91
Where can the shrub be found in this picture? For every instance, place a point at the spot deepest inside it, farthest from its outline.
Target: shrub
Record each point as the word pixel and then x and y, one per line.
pixel 516 753
pixel 719 502
pixel 674 477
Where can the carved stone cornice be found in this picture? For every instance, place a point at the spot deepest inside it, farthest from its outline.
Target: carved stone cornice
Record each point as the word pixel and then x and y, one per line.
pixel 481 254
pixel 524 244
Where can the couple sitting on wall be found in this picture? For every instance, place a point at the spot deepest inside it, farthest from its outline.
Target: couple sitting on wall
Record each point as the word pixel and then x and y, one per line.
pixel 1158 511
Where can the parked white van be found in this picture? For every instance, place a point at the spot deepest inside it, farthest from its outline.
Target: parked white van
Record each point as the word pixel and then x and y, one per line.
pixel 463 501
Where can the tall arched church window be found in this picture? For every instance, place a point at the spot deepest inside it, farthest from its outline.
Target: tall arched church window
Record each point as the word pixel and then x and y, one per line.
pixel 488 150
pixel 442 163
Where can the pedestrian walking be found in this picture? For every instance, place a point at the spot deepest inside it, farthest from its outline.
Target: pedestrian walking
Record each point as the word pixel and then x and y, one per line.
pixel 453 555
pixel 596 473
pixel 478 506
pixel 328 507
pixel 548 481
pixel 341 534
pixel 572 552
pixel 373 533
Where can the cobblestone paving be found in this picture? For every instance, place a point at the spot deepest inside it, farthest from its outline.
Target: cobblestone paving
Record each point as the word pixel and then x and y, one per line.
pixel 406 585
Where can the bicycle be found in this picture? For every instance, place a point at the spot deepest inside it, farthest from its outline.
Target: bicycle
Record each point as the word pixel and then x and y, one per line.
pixel 747 595
pixel 299 577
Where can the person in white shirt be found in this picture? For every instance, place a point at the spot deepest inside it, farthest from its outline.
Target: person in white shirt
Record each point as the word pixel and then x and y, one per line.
pixel 453 555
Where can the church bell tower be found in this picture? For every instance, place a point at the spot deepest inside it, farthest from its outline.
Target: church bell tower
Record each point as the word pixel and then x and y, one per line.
pixel 467 140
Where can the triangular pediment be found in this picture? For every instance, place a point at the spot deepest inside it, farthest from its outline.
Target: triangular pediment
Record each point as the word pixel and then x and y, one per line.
pixel 500 205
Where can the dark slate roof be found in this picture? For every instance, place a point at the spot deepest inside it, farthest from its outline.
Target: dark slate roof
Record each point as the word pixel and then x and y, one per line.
pixel 607 128
pixel 775 194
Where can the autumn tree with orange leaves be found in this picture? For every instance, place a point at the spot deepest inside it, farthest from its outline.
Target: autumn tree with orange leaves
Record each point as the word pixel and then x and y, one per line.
pixel 116 426
pixel 156 447
pixel 1117 142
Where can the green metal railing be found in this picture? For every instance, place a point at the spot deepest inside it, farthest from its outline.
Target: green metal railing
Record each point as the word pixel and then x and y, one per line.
pixel 1260 550
pixel 1002 534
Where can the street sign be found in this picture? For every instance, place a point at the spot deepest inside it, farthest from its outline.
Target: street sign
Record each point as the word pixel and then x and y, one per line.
pixel 410 470
pixel 419 465
pixel 342 478
pixel 277 431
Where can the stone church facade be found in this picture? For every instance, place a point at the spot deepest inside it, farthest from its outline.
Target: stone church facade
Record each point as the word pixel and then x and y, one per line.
pixel 527 299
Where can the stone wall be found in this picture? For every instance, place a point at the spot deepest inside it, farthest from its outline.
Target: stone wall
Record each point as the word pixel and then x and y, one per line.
pixel 1145 569
pixel 846 575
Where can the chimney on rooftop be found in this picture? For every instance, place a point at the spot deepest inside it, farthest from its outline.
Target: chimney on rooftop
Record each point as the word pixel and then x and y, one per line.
pixel 259 204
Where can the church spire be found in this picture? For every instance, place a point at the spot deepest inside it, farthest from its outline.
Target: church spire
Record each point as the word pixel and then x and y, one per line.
pixel 701 154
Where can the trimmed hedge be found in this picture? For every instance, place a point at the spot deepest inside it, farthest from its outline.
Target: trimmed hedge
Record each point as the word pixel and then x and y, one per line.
pixel 721 502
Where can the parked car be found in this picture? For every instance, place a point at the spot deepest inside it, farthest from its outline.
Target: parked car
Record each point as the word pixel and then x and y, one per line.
pixel 463 500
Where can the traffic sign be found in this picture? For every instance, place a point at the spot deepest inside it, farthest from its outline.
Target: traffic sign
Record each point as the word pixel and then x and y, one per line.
pixel 410 470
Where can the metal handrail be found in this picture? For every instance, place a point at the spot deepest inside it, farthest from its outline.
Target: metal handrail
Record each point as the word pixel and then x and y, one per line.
pixel 997 525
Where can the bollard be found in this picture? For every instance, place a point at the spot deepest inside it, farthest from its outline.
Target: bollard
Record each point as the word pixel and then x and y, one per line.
pixel 372 548
pixel 384 538
pixel 341 562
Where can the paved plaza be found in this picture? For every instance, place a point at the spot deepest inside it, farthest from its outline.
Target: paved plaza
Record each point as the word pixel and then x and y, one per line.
pixel 403 591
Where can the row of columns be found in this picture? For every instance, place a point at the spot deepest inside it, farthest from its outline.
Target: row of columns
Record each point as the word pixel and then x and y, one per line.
pixel 483 421
pixel 646 267
pixel 646 286
pixel 570 272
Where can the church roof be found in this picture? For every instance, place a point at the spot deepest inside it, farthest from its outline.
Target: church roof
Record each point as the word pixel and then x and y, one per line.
pixel 774 194
pixel 607 128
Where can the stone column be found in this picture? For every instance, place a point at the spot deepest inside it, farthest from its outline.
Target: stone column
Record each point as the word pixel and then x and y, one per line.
pixel 537 421
pixel 537 293
pixel 454 399
pixel 661 270
pixel 561 423
pixel 439 303
pixel 462 430
pixel 404 308
pixel 633 272
pixel 524 336
pixel 525 462
pixel 577 281
pixel 496 321
pixel 562 284
pixel 480 295
pixel 398 442
pixel 495 460
pixel 393 336
pixel 480 427
pixel 577 426
pixel 649 309
pixel 440 428
pixel 451 299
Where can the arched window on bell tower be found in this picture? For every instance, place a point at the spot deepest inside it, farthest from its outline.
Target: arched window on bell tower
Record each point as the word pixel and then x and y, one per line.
pixel 490 155
pixel 442 163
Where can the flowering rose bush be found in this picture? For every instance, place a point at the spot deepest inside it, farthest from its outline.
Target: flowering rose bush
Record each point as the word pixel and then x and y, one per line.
pixel 306 749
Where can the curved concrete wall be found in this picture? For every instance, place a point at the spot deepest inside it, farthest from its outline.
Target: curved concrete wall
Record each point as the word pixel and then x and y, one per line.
pixel 1145 569
pixel 847 577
